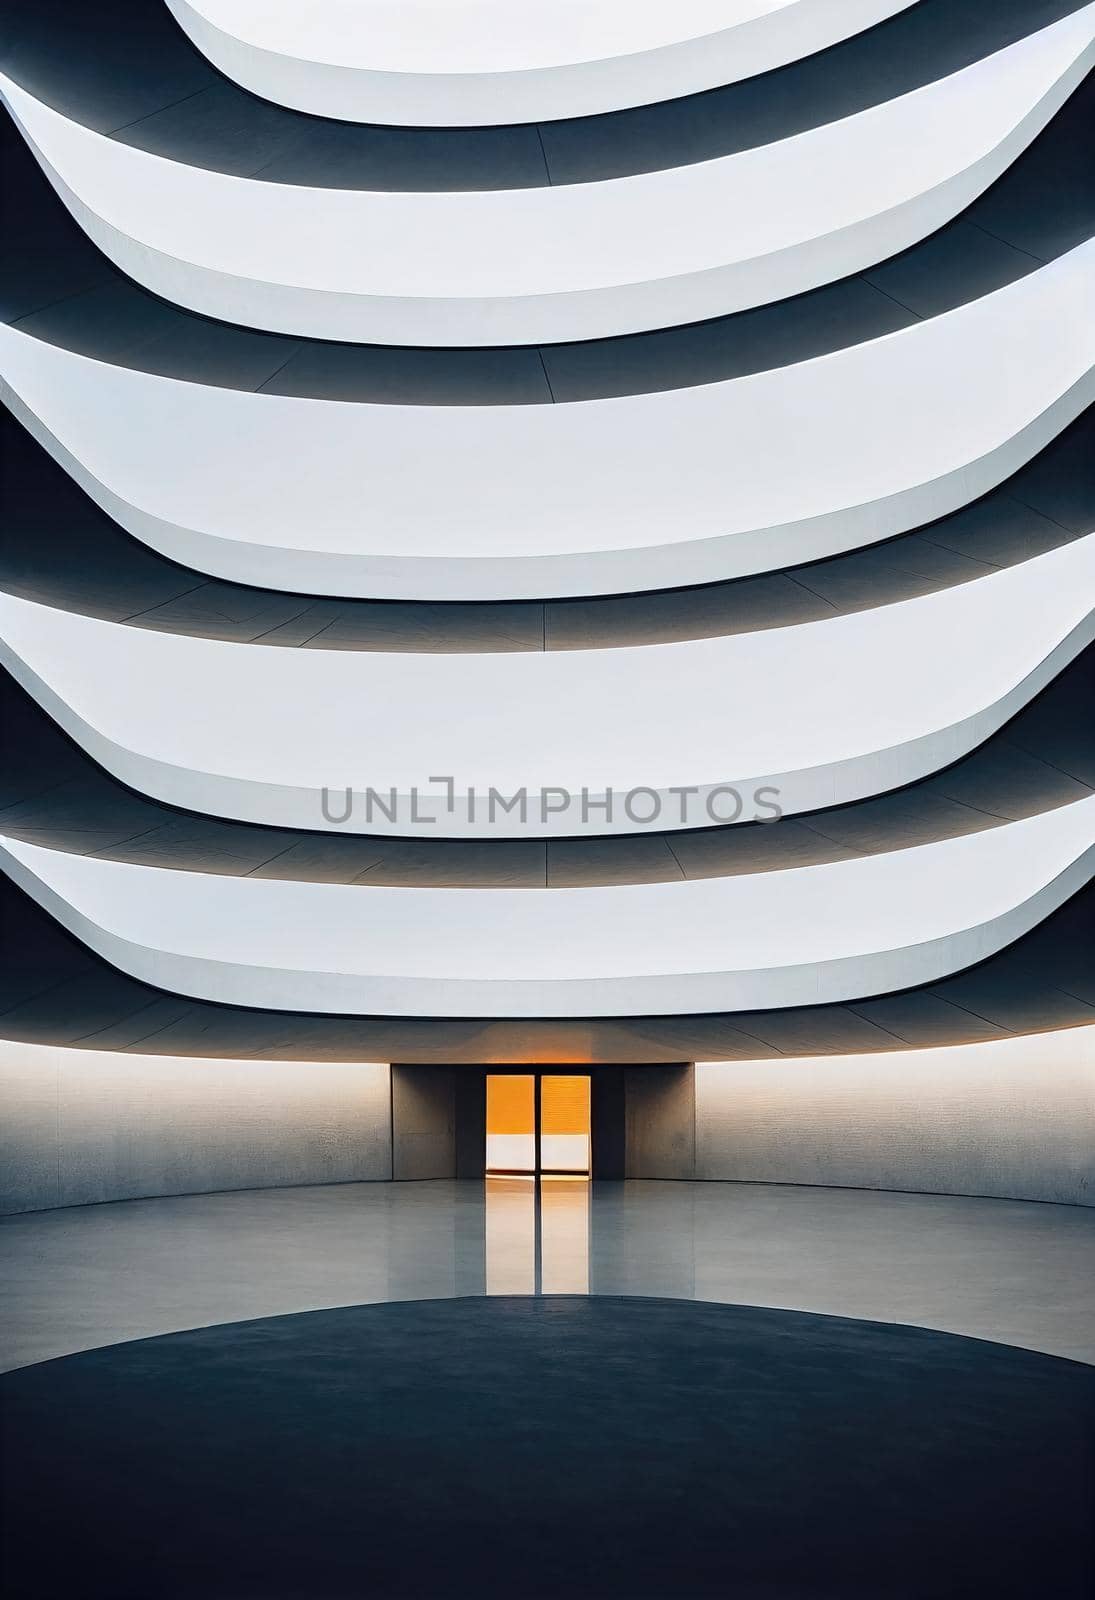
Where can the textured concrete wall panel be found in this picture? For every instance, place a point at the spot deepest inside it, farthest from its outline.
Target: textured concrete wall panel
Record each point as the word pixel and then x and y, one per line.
pixel 1012 1117
pixel 78 1126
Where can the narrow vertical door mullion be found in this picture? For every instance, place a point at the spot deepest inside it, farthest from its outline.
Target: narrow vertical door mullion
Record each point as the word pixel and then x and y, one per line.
pixel 538 1209
pixel 537 1103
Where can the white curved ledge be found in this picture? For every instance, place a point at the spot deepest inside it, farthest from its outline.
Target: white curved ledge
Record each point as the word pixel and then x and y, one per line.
pixel 464 63
pixel 807 936
pixel 785 718
pixel 572 262
pixel 648 491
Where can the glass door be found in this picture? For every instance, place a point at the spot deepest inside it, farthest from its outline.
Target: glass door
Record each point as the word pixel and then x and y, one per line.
pixel 565 1124
pixel 538 1123
pixel 511 1123
pixel 538 1164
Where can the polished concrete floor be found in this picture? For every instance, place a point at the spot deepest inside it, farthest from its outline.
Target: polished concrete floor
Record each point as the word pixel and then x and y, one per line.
pixel 1011 1271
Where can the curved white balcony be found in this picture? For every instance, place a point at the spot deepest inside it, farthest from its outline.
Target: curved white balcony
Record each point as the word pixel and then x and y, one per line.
pixel 802 937
pixel 607 496
pixel 530 745
pixel 571 262
pixel 450 63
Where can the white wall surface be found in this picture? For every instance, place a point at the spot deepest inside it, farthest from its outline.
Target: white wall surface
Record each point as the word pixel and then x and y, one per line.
pixel 802 936
pixel 569 261
pixel 80 1126
pixel 680 735
pixel 452 63
pixel 605 496
pixel 1012 1117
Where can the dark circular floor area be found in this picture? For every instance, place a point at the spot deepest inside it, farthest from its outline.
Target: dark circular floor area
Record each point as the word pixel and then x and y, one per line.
pixel 550 1447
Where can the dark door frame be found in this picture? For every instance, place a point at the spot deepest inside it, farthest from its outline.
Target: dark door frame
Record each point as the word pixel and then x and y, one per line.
pixel 642 1118
pixel 538 1074
pixel 607 1114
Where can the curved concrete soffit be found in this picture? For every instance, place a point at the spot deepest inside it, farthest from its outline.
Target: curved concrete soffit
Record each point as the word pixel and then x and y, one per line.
pixel 647 491
pixel 801 937
pixel 467 63
pixel 571 262
pixel 545 744
pixel 1028 986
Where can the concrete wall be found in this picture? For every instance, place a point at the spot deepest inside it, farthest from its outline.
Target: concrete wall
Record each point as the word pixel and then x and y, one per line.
pixel 1014 1117
pixel 424 1122
pixel 78 1126
pixel 660 1121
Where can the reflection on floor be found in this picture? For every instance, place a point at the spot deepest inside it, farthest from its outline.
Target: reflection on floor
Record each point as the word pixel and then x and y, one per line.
pixel 1012 1271
pixel 536 1235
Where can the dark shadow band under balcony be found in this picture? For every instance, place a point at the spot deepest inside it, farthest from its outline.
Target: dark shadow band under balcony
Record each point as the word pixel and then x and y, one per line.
pixel 60 549
pixel 53 794
pixel 55 991
pixel 125 69
pixel 56 286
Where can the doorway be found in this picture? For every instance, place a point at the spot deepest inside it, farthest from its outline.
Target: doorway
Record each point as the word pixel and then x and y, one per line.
pixel 538 1160
pixel 538 1124
pixel 600 1121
